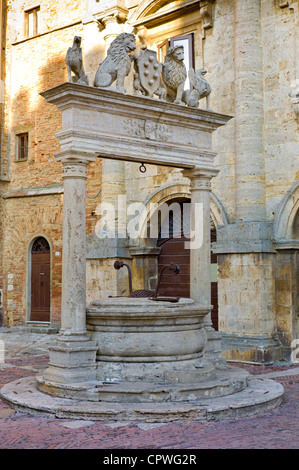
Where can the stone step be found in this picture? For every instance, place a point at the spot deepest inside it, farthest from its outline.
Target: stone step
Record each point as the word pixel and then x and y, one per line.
pixel 260 395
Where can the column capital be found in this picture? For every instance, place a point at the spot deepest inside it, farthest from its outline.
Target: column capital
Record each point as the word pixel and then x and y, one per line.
pixel 200 178
pixel 115 14
pixel 75 158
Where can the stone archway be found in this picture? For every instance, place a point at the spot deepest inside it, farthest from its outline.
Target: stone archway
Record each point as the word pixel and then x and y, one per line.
pixel 286 214
pixel 172 249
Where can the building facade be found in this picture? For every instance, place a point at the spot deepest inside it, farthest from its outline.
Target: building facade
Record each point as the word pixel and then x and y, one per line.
pixel 250 51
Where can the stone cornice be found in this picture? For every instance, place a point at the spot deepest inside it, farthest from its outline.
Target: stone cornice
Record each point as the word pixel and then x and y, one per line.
pixel 143 16
pixel 35 191
pixel 114 14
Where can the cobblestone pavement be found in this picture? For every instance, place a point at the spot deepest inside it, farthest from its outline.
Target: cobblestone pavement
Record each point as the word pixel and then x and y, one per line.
pixel 26 355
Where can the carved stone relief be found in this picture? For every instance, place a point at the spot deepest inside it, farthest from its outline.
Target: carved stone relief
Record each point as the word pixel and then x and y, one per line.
pixel 146 129
pixel 74 63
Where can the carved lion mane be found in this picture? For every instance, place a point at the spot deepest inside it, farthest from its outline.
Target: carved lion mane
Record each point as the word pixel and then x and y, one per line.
pixel 117 64
pixel 174 71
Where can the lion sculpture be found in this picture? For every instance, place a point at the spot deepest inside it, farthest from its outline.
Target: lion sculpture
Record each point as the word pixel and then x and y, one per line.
pixel 174 73
pixel 117 64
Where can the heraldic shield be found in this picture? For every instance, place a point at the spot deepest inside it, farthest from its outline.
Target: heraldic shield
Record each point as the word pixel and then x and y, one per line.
pixel 149 70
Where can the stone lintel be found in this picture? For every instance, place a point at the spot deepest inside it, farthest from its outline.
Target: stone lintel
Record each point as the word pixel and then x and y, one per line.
pixel 108 124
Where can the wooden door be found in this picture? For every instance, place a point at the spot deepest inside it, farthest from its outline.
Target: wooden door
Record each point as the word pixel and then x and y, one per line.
pixel 173 251
pixel 214 283
pixel 40 281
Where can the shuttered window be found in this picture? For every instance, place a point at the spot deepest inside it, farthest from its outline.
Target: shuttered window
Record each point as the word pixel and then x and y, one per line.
pixel 22 147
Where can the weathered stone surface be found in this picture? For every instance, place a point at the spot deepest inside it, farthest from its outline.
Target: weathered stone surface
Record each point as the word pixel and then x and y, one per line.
pixel 144 340
pixel 260 395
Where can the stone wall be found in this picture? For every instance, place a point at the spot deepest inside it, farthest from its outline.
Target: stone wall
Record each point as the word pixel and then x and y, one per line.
pixel 34 65
pixel 26 218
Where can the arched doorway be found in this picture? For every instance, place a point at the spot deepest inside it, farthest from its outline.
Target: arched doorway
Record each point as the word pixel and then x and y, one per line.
pixel 40 280
pixel 177 226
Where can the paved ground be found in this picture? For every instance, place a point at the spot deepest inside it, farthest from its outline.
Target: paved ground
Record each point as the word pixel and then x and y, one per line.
pixel 26 354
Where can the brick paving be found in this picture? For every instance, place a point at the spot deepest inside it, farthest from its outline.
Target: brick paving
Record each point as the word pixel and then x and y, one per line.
pixel 277 429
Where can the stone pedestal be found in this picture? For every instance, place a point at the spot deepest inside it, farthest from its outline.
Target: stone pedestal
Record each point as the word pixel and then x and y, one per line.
pixel 246 266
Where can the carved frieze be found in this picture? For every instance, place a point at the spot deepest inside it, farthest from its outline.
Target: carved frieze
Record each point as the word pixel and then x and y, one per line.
pixel 147 129
pixel 207 13
pixel 157 131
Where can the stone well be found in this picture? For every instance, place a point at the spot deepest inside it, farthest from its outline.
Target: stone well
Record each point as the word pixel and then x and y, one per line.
pixel 136 359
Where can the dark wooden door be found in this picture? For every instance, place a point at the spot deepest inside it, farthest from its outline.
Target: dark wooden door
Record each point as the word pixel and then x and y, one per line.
pixel 214 284
pixel 173 251
pixel 40 281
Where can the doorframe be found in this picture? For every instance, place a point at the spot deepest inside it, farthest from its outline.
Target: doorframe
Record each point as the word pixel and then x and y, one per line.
pixel 28 282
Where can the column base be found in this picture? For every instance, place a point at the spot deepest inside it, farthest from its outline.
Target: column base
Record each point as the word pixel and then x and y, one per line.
pixel 72 360
pixel 255 349
pixel 213 352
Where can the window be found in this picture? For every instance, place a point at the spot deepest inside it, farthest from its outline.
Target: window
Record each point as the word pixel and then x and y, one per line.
pixel 22 147
pixel 32 22
pixel 187 42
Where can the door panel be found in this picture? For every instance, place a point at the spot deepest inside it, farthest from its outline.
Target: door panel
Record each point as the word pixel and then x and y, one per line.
pixel 40 287
pixel 173 251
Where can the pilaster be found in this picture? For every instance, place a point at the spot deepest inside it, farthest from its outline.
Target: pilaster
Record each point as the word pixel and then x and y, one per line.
pixel 248 116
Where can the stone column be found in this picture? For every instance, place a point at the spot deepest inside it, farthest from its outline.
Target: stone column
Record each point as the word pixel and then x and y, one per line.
pixel 73 305
pixel 72 359
pixel 200 247
pixel 248 116
pixel 200 254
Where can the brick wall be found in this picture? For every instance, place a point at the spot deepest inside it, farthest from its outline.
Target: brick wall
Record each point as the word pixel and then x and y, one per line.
pixel 32 66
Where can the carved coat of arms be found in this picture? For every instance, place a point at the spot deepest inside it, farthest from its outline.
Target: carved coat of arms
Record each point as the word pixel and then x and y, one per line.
pixel 149 72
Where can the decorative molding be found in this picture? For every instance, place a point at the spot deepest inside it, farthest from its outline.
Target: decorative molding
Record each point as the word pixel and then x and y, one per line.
pixel 35 191
pixel 295 101
pixel 207 13
pixel 283 4
pixel 74 171
pixel 153 12
pixel 286 244
pixel 285 213
pixel 115 14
